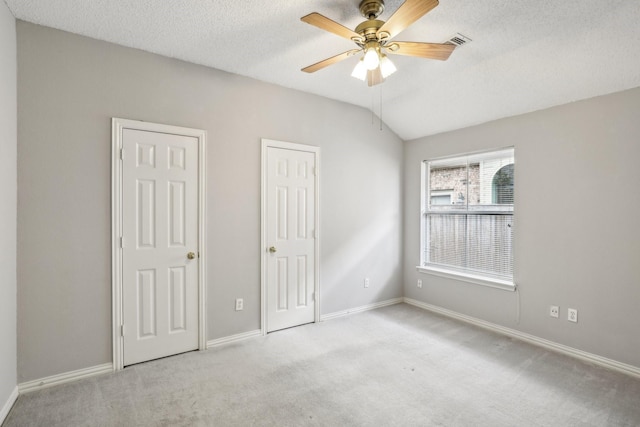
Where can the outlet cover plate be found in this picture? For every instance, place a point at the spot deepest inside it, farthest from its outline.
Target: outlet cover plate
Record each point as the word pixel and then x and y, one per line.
pixel 572 315
pixel 239 304
pixel 554 311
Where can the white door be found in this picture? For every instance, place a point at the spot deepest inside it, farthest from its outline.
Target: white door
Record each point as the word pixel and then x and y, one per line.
pixel 290 237
pixel 160 244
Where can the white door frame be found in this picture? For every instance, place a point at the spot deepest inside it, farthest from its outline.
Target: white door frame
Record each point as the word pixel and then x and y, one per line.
pixel 269 143
pixel 117 126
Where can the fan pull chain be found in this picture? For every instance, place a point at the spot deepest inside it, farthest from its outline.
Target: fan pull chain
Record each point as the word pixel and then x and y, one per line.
pixel 380 107
pixel 372 107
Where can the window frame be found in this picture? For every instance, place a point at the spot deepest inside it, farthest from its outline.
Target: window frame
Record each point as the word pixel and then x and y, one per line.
pixel 441 271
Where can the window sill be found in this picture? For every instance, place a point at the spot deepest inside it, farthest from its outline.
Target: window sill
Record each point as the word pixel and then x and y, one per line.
pixel 469 278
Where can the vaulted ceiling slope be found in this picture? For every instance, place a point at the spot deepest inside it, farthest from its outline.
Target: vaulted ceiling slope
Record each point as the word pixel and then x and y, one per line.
pixel 525 55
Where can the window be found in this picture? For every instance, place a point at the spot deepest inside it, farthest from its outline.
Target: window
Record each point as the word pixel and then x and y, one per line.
pixel 503 185
pixel 441 197
pixel 471 235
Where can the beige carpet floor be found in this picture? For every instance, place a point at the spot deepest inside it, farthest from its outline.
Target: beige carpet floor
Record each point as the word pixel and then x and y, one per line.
pixel 395 366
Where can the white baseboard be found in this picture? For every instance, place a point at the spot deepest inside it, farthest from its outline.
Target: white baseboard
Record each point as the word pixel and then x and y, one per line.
pixel 361 309
pixel 8 405
pixel 234 338
pixel 64 378
pixel 532 339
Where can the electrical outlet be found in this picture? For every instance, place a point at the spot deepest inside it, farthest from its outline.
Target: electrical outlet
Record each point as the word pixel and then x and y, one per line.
pixel 239 304
pixel 554 311
pixel 572 315
pixel 420 283
pixel 366 282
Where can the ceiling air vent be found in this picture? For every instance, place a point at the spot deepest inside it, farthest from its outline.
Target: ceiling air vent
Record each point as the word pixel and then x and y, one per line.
pixel 458 39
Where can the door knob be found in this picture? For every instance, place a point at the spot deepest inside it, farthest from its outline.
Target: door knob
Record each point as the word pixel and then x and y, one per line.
pixel 191 255
pixel 272 249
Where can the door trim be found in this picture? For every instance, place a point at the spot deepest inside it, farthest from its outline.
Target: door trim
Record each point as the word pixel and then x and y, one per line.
pixel 117 126
pixel 269 143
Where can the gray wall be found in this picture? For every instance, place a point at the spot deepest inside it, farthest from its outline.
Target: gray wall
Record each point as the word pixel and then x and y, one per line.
pixel 8 196
pixel 577 238
pixel 69 87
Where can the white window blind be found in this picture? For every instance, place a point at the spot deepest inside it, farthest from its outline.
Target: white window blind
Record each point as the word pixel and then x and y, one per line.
pixel 473 233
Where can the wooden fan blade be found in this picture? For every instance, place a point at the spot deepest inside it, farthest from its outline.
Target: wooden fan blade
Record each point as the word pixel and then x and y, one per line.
pixel 408 13
pixel 330 61
pixel 440 51
pixel 374 77
pixel 327 24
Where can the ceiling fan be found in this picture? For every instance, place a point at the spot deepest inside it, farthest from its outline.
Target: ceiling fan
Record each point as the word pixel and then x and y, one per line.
pixel 373 37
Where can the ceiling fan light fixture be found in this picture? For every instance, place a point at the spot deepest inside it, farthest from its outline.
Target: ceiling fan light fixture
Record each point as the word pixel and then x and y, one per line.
pixel 371 58
pixel 360 71
pixel 386 66
pixel 374 39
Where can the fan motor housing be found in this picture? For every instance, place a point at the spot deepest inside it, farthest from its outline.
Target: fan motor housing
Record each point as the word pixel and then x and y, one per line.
pixel 371 9
pixel 369 29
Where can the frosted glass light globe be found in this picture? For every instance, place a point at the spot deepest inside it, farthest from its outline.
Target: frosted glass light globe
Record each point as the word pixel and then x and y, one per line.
pixel 371 59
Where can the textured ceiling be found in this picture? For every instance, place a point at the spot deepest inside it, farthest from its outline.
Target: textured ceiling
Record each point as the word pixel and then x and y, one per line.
pixel 525 55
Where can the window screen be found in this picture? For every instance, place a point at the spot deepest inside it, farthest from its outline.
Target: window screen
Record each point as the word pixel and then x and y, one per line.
pixel 472 232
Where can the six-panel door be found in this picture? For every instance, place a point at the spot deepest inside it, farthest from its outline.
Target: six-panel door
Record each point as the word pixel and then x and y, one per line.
pixel 160 229
pixel 291 223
